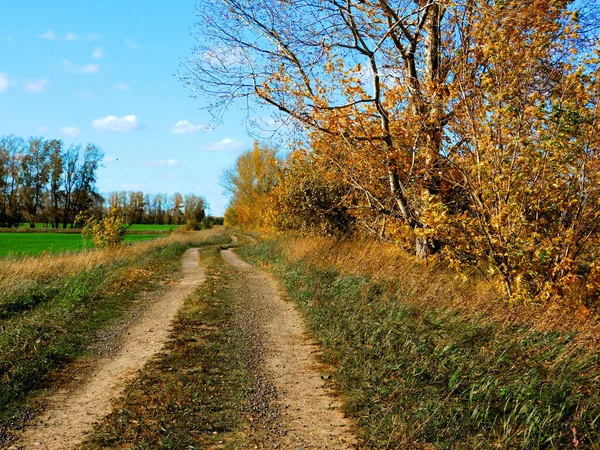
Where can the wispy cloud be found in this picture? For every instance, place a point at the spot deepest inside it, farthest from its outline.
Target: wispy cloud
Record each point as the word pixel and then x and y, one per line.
pixel 130 43
pixel 224 144
pixel 36 87
pixel 50 35
pixel 121 87
pixel 186 127
pixel 4 82
pixel 113 123
pixel 98 53
pixel 42 129
pixel 162 163
pixel 78 68
pixel 70 131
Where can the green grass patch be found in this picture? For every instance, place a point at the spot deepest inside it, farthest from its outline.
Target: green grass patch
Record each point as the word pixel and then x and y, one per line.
pixel 46 325
pixel 191 396
pixel 414 377
pixel 19 244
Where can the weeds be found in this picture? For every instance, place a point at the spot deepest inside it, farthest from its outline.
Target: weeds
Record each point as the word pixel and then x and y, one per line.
pixel 416 375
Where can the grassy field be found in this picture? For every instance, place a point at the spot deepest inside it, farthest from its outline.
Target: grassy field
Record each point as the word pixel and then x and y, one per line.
pixel 52 308
pixel 418 372
pixel 17 244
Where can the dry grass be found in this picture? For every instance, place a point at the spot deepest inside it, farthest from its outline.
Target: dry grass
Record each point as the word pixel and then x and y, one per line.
pixel 435 285
pixel 15 271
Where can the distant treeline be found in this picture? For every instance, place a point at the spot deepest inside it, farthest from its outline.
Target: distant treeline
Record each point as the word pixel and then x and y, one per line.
pixel 175 209
pixel 44 181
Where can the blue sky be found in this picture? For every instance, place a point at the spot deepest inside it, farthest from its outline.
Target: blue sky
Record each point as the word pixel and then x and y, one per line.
pixel 102 72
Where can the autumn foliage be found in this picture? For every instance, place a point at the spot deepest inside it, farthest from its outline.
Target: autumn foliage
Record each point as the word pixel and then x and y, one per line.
pixel 462 131
pixel 109 231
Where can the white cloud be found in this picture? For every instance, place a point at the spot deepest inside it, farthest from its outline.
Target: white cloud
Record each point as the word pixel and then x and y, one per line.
pixel 50 35
pixel 108 159
pixel 4 82
pixel 224 144
pixel 70 131
pixel 41 129
pixel 185 127
pixel 113 123
pixel 36 87
pixel 225 56
pixel 132 187
pixel 162 163
pixel 131 44
pixel 121 86
pixel 78 68
pixel 98 53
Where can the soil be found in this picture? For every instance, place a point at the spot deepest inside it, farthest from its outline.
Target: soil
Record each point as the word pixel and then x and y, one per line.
pixel 72 411
pixel 290 405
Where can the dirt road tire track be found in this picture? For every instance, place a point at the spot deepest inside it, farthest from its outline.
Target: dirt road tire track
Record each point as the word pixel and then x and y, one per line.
pixel 301 412
pixel 72 412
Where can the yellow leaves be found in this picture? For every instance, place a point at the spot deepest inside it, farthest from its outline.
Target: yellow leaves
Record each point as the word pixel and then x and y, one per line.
pixel 106 232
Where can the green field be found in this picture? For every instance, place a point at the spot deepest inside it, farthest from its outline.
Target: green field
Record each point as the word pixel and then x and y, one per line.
pixel 17 244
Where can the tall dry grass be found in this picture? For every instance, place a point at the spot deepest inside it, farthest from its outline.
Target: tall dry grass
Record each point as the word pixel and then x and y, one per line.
pixel 435 285
pixel 15 271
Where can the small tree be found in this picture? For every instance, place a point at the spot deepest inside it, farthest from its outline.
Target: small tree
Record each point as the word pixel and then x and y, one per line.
pixel 106 232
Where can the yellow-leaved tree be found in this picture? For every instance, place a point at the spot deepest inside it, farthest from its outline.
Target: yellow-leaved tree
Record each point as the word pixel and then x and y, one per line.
pixel 249 182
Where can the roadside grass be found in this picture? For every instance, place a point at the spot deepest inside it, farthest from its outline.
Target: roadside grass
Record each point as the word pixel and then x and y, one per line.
pixel 191 396
pixel 418 375
pixel 50 319
pixel 18 244
pixel 153 227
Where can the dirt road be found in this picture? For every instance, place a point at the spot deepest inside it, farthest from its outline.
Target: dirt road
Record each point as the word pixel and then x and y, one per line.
pixel 288 405
pixel 73 411
pixel 294 408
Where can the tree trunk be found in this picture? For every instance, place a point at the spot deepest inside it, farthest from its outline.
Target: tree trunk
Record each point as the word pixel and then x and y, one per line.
pixel 425 247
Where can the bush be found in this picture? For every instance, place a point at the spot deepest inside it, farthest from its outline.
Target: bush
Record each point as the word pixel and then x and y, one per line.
pixel 106 232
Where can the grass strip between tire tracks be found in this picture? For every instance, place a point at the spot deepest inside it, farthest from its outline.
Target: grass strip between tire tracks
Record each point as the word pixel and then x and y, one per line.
pixel 192 395
pixel 415 377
